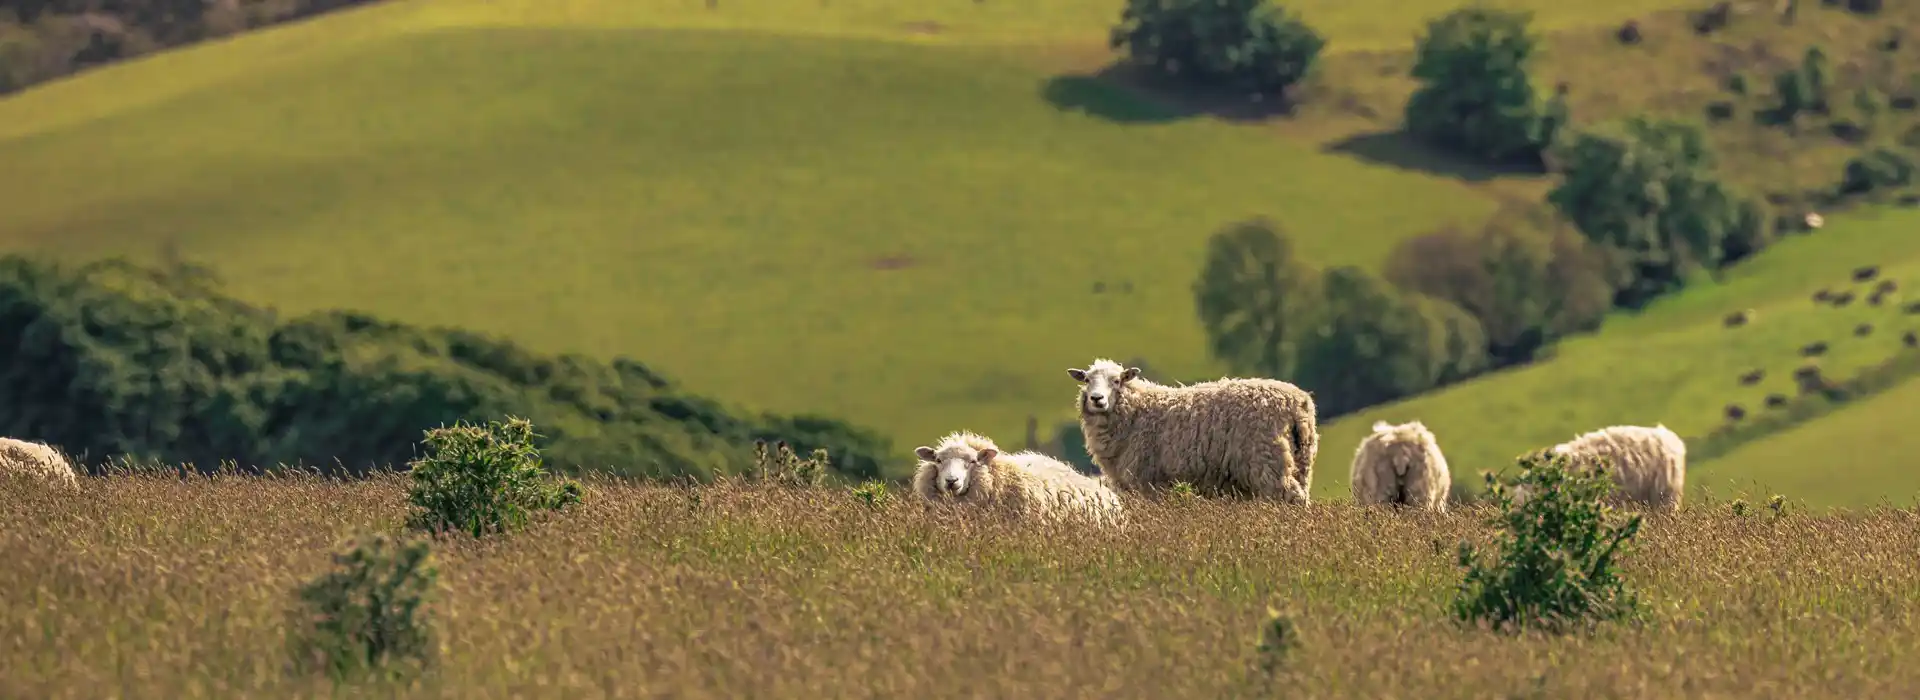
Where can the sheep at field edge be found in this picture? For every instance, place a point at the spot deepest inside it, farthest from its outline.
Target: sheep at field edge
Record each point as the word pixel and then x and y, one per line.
pixel 36 460
pixel 1255 437
pixel 969 469
pixel 1401 465
pixel 1649 464
pixel 1735 412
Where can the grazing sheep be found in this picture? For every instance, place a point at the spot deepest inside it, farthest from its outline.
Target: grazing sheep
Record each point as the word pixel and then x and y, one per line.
pixel 1862 274
pixel 1910 339
pixel 1401 465
pixel 1808 378
pixel 1776 400
pixel 1739 318
pixel 1815 220
pixel 1735 412
pixel 1863 330
pixel 1886 286
pixel 1843 299
pixel 1911 307
pixel 1253 437
pixel 38 461
pixel 966 468
pixel 1753 377
pixel 1628 33
pixel 1823 296
pixel 1649 465
pixel 1814 349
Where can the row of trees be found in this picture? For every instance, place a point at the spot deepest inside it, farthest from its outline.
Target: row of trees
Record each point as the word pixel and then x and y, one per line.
pixel 111 359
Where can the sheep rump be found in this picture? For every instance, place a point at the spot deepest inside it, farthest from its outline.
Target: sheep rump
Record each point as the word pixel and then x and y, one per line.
pixel 1255 437
pixel 1401 465
pixel 37 461
pixel 1649 465
pixel 1022 483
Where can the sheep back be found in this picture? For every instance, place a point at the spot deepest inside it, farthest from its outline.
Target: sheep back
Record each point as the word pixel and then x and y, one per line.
pixel 1401 465
pixel 1649 463
pixel 38 461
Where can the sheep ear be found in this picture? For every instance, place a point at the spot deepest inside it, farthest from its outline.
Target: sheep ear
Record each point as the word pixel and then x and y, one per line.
pixel 988 454
pixel 923 452
pixel 1079 375
pixel 1131 374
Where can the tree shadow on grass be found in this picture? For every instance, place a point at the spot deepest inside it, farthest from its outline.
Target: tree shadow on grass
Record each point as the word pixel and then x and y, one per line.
pixel 1125 95
pixel 1401 150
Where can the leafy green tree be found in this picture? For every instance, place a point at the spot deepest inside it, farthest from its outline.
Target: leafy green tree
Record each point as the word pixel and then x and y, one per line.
pixel 1375 344
pixel 1527 276
pixel 1476 96
pixel 1251 45
pixel 1646 191
pixel 1256 298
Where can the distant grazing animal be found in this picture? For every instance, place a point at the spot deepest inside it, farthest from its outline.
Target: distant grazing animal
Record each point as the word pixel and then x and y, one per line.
pixel 970 470
pixel 1814 349
pixel 1401 465
pixel 1753 377
pixel 1776 400
pixel 37 461
pixel 1863 330
pixel 1739 318
pixel 1910 339
pixel 1862 274
pixel 1649 464
pixel 1255 437
pixel 1823 296
pixel 1735 412
pixel 1843 299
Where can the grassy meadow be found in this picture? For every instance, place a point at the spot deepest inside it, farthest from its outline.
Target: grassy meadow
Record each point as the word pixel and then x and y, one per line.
pixel 185 589
pixel 908 215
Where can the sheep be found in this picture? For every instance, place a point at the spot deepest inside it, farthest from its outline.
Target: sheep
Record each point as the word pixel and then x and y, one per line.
pixel 1843 299
pixel 1909 339
pixel 966 468
pixel 1401 465
pixel 1910 308
pixel 1814 349
pixel 1255 437
pixel 1649 465
pixel 1863 330
pixel 1739 318
pixel 1815 220
pixel 1753 377
pixel 1735 413
pixel 1862 274
pixel 1823 296
pixel 38 461
pixel 1776 400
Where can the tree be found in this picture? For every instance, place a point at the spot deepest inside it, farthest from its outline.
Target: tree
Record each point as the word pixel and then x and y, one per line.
pixel 1250 45
pixel 1256 298
pixel 1375 344
pixel 1646 191
pixel 1527 276
pixel 1475 95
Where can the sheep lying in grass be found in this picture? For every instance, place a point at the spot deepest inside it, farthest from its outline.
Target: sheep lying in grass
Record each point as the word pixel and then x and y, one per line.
pixel 1649 465
pixel 969 469
pixel 1401 465
pixel 38 461
pixel 1253 437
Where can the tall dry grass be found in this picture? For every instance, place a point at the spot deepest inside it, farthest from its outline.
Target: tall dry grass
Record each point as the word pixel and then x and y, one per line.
pixel 154 586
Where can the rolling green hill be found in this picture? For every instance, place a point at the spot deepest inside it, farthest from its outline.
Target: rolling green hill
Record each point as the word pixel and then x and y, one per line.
pixel 1677 364
pixel 889 212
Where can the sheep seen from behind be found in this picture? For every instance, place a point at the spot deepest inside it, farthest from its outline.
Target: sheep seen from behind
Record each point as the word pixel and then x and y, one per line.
pixel 37 461
pixel 1401 465
pixel 1248 437
pixel 1648 465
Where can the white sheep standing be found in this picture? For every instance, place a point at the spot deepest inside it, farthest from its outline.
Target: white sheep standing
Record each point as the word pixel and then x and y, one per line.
pixel 1248 436
pixel 37 461
pixel 1401 465
pixel 1649 465
pixel 969 469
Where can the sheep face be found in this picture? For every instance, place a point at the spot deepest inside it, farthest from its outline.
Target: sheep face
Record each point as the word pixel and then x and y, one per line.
pixel 1102 384
pixel 958 466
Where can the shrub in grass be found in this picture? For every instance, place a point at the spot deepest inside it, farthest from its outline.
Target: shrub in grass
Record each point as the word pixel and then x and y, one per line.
pixel 481 479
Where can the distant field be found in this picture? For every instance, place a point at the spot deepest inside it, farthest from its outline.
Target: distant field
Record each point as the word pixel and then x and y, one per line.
pixel 159 588
pixel 1859 455
pixel 1676 364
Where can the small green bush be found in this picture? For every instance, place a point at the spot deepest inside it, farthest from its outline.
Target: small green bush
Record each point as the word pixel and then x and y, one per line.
pixel 872 493
pixel 367 614
pixel 1557 561
pixel 783 467
pixel 1881 168
pixel 480 479
pixel 1251 45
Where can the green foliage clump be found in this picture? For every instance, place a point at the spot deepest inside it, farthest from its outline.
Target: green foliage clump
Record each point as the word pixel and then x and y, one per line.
pixel 1878 169
pixel 1343 334
pixel 112 359
pixel 872 494
pixel 1557 560
pixel 1476 96
pixel 1646 191
pixel 1527 277
pixel 782 466
pixel 481 479
pixel 1802 90
pixel 1251 45
pixel 367 615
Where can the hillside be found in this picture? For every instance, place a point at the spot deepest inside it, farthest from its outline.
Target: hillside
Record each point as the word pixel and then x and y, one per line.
pixel 1677 364
pixel 910 216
